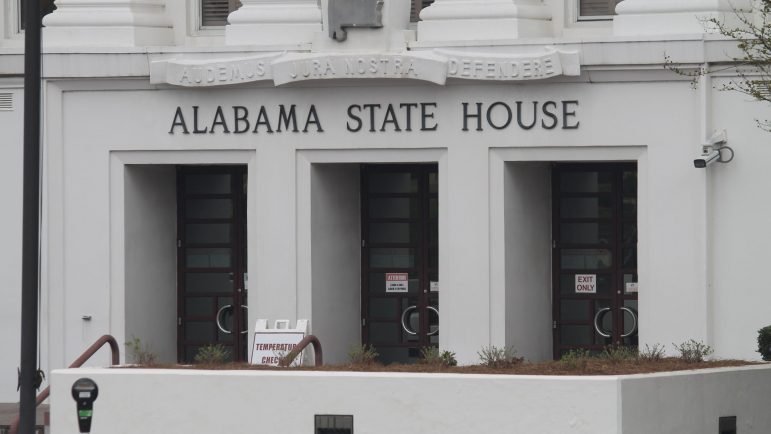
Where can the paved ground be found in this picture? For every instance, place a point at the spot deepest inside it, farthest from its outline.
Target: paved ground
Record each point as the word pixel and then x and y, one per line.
pixel 9 411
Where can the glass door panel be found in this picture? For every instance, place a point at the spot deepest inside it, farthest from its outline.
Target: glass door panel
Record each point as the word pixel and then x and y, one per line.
pixel 400 242
pixel 211 226
pixel 595 256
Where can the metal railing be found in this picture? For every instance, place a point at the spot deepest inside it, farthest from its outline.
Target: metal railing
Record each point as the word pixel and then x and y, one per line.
pixel 96 346
pixel 317 353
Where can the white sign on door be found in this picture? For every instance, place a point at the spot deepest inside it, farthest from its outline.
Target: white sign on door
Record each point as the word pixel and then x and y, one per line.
pixel 397 282
pixel 586 283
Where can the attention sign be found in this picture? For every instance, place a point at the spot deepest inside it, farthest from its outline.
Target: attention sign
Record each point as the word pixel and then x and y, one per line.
pixel 397 282
pixel 586 283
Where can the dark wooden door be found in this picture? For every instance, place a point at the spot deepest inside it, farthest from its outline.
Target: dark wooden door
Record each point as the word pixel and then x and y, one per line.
pixel 594 256
pixel 400 208
pixel 211 258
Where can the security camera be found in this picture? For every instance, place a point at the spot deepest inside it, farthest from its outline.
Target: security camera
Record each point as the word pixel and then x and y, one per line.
pixel 710 151
pixel 706 159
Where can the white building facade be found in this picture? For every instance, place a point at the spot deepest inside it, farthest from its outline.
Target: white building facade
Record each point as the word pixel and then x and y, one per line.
pixel 501 172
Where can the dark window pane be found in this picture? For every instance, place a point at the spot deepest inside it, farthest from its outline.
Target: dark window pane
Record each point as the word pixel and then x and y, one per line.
pixel 207 183
pixel 630 233
pixel 384 332
pixel 433 182
pixel 199 306
pixel 629 258
pixel 393 207
pixel 585 259
pixel 586 207
pixel 207 258
pixel 209 208
pixel 384 307
pixel 629 185
pixel 211 233
pixel 629 207
pixel 393 182
pixel 575 310
pixel 586 233
pixel 208 282
pixel 392 257
pixel 576 335
pixel 199 331
pixel 393 233
pixel 586 182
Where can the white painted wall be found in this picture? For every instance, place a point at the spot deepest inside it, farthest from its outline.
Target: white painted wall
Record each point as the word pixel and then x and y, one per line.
pixel 11 155
pixel 527 196
pixel 688 402
pixel 151 259
pixel 691 403
pixel 336 258
pixel 738 228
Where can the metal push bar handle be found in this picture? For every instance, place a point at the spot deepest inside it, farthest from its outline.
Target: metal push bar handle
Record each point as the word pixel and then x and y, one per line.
pixel 413 332
pixel 634 324
pixel 437 317
pixel 219 316
pixel 404 324
pixel 601 313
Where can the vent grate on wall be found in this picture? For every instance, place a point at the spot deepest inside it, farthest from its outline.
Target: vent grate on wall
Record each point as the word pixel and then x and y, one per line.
pixel 6 101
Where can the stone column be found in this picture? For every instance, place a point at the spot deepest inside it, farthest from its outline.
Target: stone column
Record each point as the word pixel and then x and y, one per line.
pixel 659 17
pixel 481 20
pixel 124 23
pixel 273 22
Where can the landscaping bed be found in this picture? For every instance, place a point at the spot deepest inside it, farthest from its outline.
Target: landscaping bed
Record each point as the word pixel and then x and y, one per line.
pixel 590 366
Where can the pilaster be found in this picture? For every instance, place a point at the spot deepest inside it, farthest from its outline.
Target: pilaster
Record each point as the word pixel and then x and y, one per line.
pixel 453 20
pixel 659 17
pixel 122 23
pixel 274 22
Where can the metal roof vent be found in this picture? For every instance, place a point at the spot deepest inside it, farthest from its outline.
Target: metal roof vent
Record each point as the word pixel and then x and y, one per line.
pixel 6 101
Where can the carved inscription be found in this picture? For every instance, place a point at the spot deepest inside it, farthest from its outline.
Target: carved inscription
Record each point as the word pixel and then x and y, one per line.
pixel 498 67
pixel 291 69
pixel 214 73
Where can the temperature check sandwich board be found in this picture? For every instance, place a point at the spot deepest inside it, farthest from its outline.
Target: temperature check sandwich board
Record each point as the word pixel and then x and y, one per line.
pixel 272 344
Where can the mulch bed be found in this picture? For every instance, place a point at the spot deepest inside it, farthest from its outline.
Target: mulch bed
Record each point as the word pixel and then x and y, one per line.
pixel 589 366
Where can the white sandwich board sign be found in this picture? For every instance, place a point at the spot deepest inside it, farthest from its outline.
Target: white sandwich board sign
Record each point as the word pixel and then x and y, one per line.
pixel 271 344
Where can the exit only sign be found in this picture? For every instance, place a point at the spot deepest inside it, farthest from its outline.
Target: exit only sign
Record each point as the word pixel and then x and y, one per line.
pixel 586 283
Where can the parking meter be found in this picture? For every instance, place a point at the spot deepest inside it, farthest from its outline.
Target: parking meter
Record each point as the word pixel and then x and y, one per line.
pixel 84 392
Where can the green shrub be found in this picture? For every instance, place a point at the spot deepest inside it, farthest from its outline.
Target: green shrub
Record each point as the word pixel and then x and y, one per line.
pixel 652 354
pixel 764 343
pixel 619 353
pixel 362 354
pixel 212 354
pixel 432 356
pixel 693 351
pixel 575 359
pixel 140 352
pixel 495 357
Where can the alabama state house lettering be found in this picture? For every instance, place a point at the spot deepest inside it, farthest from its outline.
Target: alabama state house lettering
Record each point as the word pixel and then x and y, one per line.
pixel 372 117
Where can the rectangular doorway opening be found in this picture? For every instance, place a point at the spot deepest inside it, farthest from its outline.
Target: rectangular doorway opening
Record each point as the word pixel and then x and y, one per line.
pixel 594 258
pixel 211 260
pixel 400 259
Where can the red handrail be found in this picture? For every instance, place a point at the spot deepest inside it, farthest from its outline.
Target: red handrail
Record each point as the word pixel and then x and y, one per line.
pixel 317 353
pixel 105 339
